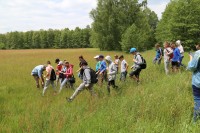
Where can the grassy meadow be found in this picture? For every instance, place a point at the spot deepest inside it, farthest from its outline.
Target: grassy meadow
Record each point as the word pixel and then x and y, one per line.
pixel 159 104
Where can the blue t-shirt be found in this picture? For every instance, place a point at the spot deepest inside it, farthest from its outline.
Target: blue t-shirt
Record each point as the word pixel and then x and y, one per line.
pixel 158 53
pixel 38 70
pixel 193 66
pixel 177 55
pixel 102 66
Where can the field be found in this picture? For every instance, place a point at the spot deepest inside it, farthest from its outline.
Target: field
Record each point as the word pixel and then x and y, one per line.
pixel 159 104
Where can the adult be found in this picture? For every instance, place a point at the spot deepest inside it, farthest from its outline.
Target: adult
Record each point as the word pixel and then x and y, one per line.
pixel 85 84
pixel 68 74
pixel 102 70
pixel 49 81
pixel 112 71
pixel 168 54
pixel 137 60
pixel 158 57
pixel 37 74
pixel 176 58
pixel 180 47
pixel 194 66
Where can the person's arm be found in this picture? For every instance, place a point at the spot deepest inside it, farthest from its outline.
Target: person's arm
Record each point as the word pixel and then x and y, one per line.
pixel 88 76
pixel 103 67
pixel 114 70
pixel 192 65
pixel 169 51
pixel 40 76
pixel 126 64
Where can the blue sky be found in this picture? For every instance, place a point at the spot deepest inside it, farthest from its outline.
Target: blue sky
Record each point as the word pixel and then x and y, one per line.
pixel 24 15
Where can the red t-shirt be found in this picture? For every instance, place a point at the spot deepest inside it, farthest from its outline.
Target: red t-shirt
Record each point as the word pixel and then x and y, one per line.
pixel 59 68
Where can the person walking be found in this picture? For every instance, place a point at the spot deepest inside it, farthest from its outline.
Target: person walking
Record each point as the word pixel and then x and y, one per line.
pixel 159 54
pixel 112 71
pixel 85 84
pixel 48 76
pixel 136 69
pixel 194 66
pixel 176 58
pixel 116 61
pixel 102 70
pixel 58 71
pixel 68 74
pixel 124 68
pixel 180 47
pixel 37 74
pixel 168 54
pixel 98 64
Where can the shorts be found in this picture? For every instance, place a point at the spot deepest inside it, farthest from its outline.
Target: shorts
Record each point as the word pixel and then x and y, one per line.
pixel 175 64
pixel 135 72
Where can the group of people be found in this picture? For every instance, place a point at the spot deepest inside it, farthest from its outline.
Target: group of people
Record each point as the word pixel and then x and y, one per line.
pixel 106 70
pixel 173 54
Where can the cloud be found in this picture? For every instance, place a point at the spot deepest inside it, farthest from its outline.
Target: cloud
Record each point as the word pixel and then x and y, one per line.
pixel 24 15
pixel 158 7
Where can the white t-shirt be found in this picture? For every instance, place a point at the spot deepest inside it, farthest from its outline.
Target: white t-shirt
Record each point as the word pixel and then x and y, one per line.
pixel 117 62
pixel 167 51
pixel 180 47
pixel 123 66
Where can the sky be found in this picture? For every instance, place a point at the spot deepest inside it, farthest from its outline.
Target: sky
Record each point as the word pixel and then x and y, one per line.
pixel 25 15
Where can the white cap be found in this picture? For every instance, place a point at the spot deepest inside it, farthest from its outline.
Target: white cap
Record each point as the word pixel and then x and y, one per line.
pixel 108 58
pixel 96 57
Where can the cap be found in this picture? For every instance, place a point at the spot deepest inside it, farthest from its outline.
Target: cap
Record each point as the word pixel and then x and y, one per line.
pixel 133 50
pixel 96 57
pixel 101 56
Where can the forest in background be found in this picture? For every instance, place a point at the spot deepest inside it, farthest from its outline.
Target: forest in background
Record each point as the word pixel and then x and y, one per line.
pixel 118 25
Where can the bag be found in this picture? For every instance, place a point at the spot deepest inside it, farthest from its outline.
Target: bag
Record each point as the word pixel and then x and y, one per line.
pixel 62 76
pixel 143 65
pixel 94 76
pixel 53 75
pixel 161 51
pixel 72 80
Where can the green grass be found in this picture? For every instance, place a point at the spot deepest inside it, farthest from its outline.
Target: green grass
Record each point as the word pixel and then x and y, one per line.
pixel 160 104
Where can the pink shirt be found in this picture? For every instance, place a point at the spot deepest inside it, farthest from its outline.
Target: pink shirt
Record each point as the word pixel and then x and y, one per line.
pixel 48 70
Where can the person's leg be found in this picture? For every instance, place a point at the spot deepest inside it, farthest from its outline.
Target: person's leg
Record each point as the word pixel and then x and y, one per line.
pixel 113 84
pixel 36 80
pixel 63 84
pixel 108 86
pixel 46 86
pixel 91 90
pixel 57 80
pixel 196 95
pixel 166 64
pixel 53 86
pixel 100 80
pixel 159 61
pixel 77 91
pixel 154 60
pixel 122 76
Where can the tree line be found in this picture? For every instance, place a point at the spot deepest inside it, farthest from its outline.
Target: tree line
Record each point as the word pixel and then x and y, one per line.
pixel 119 25
pixel 78 38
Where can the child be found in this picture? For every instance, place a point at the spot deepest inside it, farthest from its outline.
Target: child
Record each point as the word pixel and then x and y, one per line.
pixel 112 71
pixel 159 54
pixel 136 67
pixel 124 68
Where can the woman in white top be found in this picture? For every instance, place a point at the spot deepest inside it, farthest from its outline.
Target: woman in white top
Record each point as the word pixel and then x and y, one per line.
pixel 168 53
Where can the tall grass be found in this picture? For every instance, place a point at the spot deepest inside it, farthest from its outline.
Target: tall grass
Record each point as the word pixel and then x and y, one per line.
pixel 160 103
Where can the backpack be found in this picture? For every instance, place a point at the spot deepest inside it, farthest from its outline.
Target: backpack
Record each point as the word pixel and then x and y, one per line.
pixel 161 51
pixel 53 75
pixel 94 76
pixel 142 65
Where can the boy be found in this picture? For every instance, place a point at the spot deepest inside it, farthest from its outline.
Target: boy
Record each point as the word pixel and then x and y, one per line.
pixel 102 70
pixel 159 53
pixel 136 67
pixel 124 68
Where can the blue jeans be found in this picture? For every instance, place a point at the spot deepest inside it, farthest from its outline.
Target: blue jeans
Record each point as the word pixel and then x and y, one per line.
pixel 196 94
